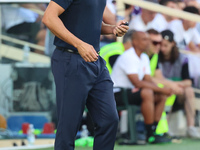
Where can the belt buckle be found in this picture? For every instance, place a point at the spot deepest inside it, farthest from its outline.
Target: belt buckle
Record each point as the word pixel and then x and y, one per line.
pixel 71 51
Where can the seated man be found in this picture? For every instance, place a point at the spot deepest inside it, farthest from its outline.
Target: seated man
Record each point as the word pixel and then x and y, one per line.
pixel 158 78
pixel 132 71
pixel 152 52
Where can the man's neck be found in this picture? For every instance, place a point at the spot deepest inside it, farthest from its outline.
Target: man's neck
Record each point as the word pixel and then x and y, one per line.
pixel 166 18
pixel 143 19
pixel 138 52
pixel 185 27
pixel 149 53
pixel 127 45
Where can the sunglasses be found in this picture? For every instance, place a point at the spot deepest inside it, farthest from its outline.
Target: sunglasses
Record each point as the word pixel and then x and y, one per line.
pixel 156 42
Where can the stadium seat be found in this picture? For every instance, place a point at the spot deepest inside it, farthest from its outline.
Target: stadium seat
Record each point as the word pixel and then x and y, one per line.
pixel 25 127
pixel 132 110
pixel 48 128
pixel 15 122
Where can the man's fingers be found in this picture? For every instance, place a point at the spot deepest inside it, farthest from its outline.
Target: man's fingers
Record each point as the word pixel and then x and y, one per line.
pixel 91 59
pixel 94 56
pixel 118 29
pixel 94 51
pixel 88 53
pixel 120 22
pixel 86 58
pixel 123 29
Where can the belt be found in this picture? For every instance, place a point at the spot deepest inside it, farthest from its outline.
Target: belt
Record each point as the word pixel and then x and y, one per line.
pixel 69 50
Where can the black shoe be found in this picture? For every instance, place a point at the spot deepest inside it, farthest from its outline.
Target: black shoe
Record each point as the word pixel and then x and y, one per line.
pixel 158 139
pixel 174 139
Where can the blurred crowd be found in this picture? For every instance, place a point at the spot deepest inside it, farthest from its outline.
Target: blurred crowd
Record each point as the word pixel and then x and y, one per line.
pixel 152 65
pixel 186 33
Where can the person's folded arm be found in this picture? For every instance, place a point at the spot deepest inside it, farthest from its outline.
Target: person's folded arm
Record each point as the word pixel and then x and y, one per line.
pixel 146 83
pixel 159 78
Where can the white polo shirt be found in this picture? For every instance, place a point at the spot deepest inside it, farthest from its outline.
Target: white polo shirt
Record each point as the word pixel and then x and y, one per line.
pixel 130 63
pixel 111 6
pixel 159 23
pixel 182 37
pixel 138 24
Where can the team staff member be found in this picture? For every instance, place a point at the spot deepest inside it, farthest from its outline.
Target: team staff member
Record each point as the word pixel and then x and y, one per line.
pixel 80 74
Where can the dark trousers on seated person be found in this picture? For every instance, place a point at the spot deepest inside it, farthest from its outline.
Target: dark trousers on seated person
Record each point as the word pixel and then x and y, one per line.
pixel 135 99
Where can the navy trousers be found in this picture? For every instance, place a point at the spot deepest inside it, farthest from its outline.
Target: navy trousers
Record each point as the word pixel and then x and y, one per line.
pixel 80 83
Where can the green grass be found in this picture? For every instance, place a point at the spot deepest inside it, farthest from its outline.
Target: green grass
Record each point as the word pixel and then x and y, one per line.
pixel 187 144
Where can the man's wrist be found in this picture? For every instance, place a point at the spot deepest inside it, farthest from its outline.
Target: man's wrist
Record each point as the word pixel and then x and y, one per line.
pixel 77 43
pixel 113 29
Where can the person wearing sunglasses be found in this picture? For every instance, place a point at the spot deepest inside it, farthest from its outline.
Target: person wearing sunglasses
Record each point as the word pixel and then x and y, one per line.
pixel 159 79
pixel 152 52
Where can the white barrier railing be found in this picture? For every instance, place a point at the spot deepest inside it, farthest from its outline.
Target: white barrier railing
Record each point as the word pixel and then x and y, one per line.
pixel 158 8
pixel 19 54
pixel 161 9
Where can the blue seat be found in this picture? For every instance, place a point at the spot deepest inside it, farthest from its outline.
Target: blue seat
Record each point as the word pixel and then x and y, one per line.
pixel 14 123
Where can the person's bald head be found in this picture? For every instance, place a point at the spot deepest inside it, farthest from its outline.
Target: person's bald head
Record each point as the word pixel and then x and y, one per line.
pixel 140 40
pixel 138 34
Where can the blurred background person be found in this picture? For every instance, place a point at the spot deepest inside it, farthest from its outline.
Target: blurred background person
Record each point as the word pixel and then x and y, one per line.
pixel 161 21
pixel 155 42
pixel 181 4
pixel 194 3
pixel 21 21
pixel 156 73
pixel 185 32
pixel 142 21
pixel 174 66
